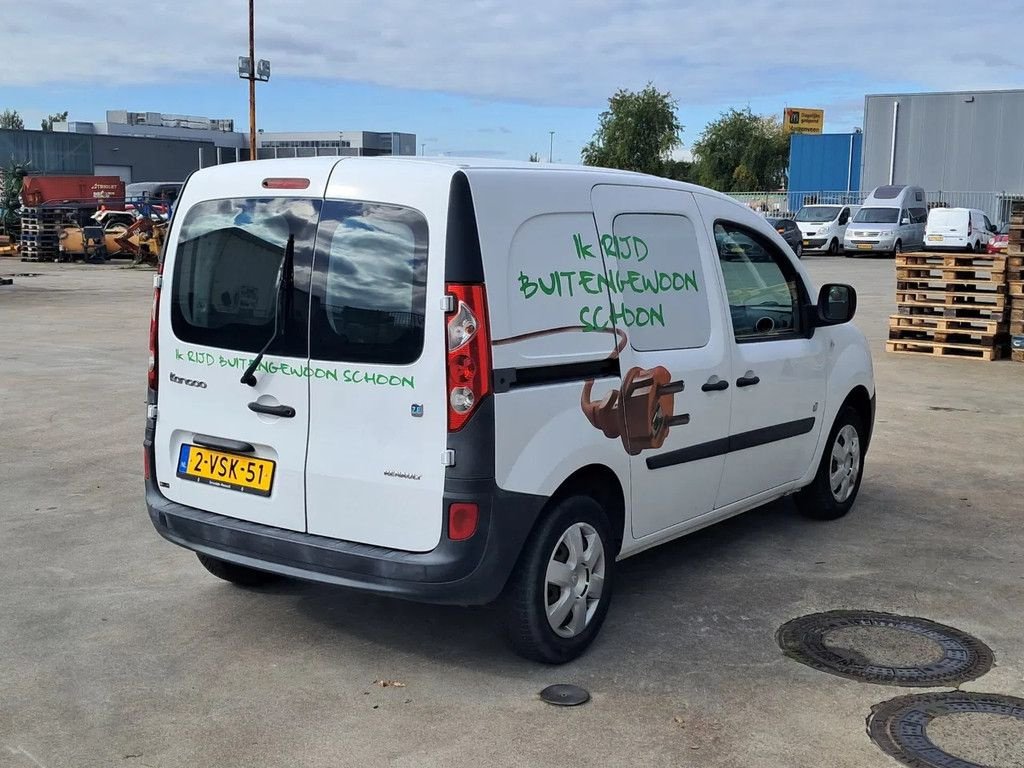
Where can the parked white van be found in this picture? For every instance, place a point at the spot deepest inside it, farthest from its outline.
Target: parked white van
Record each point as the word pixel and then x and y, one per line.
pixel 459 382
pixel 891 220
pixel 823 227
pixel 965 229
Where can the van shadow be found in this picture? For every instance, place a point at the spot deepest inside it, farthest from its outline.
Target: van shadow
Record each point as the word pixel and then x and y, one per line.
pixel 656 594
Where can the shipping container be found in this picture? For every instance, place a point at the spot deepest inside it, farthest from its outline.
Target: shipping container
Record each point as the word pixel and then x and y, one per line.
pixel 827 162
pixel 50 190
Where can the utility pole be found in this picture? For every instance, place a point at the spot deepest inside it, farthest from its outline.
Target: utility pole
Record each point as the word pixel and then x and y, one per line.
pixel 252 70
pixel 252 83
pixel 551 145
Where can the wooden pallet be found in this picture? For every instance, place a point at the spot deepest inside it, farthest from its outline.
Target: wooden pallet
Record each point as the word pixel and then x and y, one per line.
pixel 978 275
pixel 963 311
pixel 926 323
pixel 972 284
pixel 939 297
pixel 965 351
pixel 947 260
pixel 1016 290
pixel 1017 355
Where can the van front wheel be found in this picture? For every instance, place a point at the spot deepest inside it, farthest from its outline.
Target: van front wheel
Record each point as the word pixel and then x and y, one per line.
pixel 559 594
pixel 834 489
pixel 236 574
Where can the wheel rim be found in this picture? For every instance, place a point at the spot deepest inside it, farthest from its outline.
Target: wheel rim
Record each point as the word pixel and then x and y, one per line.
pixel 574 581
pixel 844 467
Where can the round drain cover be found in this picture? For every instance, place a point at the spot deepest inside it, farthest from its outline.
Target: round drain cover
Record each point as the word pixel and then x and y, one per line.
pixel 885 648
pixel 563 695
pixel 951 730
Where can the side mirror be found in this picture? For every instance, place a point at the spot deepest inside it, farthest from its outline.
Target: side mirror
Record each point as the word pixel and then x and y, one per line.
pixel 837 304
pixel 905 220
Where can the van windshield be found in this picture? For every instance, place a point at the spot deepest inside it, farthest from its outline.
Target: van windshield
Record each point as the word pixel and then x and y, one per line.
pixel 817 213
pixel 877 216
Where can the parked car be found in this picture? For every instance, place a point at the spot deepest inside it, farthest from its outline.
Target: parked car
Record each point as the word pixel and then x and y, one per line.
pixel 456 381
pixel 824 226
pixel 790 233
pixel 966 229
pixel 1000 241
pixel 891 220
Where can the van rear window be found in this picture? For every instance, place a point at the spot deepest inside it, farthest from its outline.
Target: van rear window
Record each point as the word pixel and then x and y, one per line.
pixel 369 286
pixel 229 255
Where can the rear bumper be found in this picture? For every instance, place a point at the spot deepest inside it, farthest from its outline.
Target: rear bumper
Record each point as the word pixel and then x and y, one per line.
pixel 472 572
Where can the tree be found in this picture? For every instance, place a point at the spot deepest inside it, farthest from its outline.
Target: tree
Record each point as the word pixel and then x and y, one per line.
pixel 637 132
pixel 678 170
pixel 741 152
pixel 10 118
pixel 58 117
pixel 534 157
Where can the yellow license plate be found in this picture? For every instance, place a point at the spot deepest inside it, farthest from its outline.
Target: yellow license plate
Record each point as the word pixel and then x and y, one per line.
pixel 865 246
pixel 226 470
pixel 807 242
pixel 935 238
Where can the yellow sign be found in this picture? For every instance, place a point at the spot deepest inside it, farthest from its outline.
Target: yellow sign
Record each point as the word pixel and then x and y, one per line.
pixel 796 120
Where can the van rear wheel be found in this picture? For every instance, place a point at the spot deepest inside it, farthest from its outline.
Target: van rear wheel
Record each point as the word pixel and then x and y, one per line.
pixel 833 247
pixel 558 596
pixel 237 574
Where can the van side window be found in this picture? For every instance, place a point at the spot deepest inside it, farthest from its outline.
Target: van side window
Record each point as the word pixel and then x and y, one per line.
pixel 223 291
pixel 663 301
pixel 369 284
pixel 763 286
pixel 844 217
pixel 918 215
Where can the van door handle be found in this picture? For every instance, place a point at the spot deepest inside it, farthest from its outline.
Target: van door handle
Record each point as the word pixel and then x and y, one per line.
pixel 284 411
pixel 747 381
pixel 715 386
pixel 223 444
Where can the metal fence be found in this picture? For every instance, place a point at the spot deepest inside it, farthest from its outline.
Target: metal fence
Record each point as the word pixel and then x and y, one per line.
pixel 785 204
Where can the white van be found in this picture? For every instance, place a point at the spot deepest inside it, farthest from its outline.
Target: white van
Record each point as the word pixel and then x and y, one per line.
pixel 965 229
pixel 823 227
pixel 891 220
pixel 456 382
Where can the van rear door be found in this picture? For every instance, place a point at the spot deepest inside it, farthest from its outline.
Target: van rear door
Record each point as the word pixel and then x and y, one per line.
pixel 375 469
pixel 221 445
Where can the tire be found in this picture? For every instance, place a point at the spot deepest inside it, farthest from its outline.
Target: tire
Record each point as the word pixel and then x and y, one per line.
pixel 238 575
pixel 833 247
pixel 799 250
pixel 898 248
pixel 531 595
pixel 823 499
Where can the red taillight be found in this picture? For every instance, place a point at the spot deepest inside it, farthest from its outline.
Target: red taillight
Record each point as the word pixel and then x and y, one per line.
pixel 469 353
pixel 970 228
pixel 463 518
pixel 286 183
pixel 153 321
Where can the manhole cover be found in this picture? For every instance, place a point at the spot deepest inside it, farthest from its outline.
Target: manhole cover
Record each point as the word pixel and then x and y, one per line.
pixel 563 695
pixel 951 730
pixel 884 648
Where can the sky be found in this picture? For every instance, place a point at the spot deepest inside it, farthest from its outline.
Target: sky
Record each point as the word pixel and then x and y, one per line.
pixel 493 79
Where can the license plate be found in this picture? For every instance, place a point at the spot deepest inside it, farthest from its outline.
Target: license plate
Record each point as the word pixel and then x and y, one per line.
pixel 935 238
pixel 226 470
pixel 864 246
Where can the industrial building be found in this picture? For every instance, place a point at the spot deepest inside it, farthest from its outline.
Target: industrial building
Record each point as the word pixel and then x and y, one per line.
pixel 821 165
pixel 963 141
pixel 151 146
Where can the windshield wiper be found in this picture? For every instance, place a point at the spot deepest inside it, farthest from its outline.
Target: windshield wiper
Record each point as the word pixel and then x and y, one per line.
pixel 284 290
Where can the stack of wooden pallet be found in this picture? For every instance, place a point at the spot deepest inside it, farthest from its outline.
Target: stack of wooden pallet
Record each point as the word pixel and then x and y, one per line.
pixel 40 233
pixel 950 305
pixel 1015 277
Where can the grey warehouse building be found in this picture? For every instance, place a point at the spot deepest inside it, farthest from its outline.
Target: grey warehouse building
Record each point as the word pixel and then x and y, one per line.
pixel 964 141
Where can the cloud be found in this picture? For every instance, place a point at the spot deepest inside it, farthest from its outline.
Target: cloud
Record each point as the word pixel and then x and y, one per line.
pixel 574 52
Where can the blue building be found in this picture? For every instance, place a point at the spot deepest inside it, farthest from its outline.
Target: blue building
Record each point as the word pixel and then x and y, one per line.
pixel 824 165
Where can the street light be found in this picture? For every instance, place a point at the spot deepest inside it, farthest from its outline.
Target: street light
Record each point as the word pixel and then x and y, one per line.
pixel 247 71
